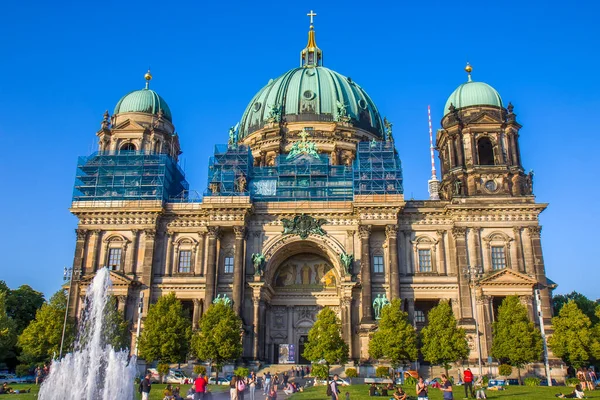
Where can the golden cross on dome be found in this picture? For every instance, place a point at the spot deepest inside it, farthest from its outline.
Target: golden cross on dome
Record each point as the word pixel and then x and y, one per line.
pixel 303 134
pixel 311 14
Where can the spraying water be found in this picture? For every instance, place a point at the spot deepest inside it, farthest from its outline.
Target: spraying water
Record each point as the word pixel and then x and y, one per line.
pixel 94 370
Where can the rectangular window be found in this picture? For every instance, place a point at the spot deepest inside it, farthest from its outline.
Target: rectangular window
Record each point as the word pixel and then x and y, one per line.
pixel 185 261
pixel 378 264
pixel 498 258
pixel 229 265
pixel 425 261
pixel 419 317
pixel 114 259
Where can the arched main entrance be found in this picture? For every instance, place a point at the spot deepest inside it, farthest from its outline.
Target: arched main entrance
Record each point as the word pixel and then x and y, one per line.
pixel 301 285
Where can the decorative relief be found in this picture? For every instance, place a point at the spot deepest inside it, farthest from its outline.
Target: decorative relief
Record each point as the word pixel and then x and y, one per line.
pixel 81 234
pixel 214 232
pixel 459 232
pixel 303 225
pixel 391 231
pixel 239 231
pixel 364 231
pixel 534 231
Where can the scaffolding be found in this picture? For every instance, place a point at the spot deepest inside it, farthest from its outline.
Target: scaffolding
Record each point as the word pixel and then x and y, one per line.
pixel 377 169
pixel 128 175
pixel 229 171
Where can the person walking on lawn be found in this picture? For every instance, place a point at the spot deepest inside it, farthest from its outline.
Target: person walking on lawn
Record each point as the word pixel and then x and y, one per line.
pixel 468 383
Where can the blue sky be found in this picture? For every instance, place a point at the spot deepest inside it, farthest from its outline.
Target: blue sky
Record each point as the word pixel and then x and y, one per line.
pixel 64 63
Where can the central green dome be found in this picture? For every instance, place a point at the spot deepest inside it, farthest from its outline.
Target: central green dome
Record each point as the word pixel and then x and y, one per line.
pixel 143 101
pixel 312 94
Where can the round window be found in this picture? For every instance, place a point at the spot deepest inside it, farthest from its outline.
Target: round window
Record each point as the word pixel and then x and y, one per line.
pixel 309 95
pixel 362 104
pixel 256 106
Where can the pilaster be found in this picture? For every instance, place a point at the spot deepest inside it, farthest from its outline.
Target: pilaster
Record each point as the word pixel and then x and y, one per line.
pixel 365 271
pixel 459 234
pixel 442 270
pixel 238 268
pixel 214 233
pixel 391 232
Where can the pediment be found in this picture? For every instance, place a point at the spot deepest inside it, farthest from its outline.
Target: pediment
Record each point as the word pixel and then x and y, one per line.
pixel 128 124
pixel 117 279
pixel 507 277
pixel 484 117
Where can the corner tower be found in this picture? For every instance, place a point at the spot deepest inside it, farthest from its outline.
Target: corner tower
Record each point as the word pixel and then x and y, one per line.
pixel 479 145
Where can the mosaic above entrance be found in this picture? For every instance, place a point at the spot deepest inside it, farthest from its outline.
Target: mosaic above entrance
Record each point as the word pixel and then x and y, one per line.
pixel 305 272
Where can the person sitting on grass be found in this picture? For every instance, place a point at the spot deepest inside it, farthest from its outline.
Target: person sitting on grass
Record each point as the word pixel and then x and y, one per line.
pixel 576 394
pixel 400 394
pixel 168 393
pixel 5 389
pixel 373 390
pixel 479 392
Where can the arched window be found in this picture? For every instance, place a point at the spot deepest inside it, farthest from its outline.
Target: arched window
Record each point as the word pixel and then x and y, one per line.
pixel 485 151
pixel 128 147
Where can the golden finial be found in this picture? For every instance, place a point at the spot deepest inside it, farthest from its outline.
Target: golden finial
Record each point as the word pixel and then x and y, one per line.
pixel 468 69
pixel 148 78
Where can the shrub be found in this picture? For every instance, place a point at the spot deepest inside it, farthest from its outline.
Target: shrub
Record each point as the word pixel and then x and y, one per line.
pixel 382 372
pixel 572 382
pixel 505 370
pixel 320 371
pixel 532 381
pixel 486 380
pixel 22 370
pixel 199 369
pixel 243 372
pixel 163 369
pixel 351 373
pixel 411 381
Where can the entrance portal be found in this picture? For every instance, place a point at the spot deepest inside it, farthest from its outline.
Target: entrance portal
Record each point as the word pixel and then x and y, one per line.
pixel 301 343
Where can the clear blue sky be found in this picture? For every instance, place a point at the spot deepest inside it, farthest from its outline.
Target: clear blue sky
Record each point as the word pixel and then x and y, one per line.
pixel 64 63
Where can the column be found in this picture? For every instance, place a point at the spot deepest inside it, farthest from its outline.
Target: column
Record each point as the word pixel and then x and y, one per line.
pixel 411 310
pixel 365 272
pixel 459 150
pixel 519 264
pixel 147 263
pixel 527 301
pixel 78 259
pixel 346 307
pixel 540 270
pixel 513 147
pixel 484 319
pixel 132 254
pixel 528 254
pixel 211 265
pixel 261 330
pixel 238 268
pixel 442 259
pixel 459 234
pixel 199 263
pixel 290 324
pixel 407 251
pixel 256 304
pixel 477 247
pixel 169 252
pixel 451 151
pixel 121 303
pixel 196 314
pixel 92 254
pixel 391 231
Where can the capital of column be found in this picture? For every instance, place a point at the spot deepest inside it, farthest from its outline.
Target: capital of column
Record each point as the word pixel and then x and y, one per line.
pixel 150 233
pixel 364 231
pixel 526 300
pixel 391 231
pixel 214 232
pixel 95 232
pixel 196 302
pixel 440 233
pixel 517 230
pixel 239 231
pixel 459 232
pixel 350 233
pixel 122 299
pixel 256 301
pixel 534 231
pixel 81 234
pixel 483 299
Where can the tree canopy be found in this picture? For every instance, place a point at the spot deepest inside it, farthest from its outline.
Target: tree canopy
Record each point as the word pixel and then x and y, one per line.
pixel 573 339
pixel 395 338
pixel 22 304
pixel 117 328
pixel 515 338
pixel 443 341
pixel 218 337
pixel 40 341
pixel 325 340
pixel 166 333
pixel 587 306
pixel 8 330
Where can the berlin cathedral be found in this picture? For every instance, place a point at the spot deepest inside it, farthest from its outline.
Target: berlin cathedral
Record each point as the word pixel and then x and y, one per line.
pixel 304 209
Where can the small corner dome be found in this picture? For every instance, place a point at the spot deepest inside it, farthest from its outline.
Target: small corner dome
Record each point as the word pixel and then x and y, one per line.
pixel 473 94
pixel 143 101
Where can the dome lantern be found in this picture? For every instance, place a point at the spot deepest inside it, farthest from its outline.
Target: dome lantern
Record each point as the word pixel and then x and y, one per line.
pixel 311 55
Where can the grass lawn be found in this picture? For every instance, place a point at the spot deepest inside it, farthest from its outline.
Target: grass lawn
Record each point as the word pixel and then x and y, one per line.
pixel 361 392
pixel 155 394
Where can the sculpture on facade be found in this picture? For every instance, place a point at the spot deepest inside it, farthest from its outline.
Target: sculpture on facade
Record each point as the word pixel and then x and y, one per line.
pixel 240 183
pixel 378 303
pixel 223 299
pixel 342 114
pixel 258 260
pixel 303 146
pixel 274 113
pixel 388 130
pixel 303 225
pixel 347 260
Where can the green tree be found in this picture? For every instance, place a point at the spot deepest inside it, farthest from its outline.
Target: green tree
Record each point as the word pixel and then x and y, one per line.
pixel 40 341
pixel 117 333
pixel 218 338
pixel 325 340
pixel 443 341
pixel 22 304
pixel 167 331
pixel 395 339
pixel 573 339
pixel 587 306
pixel 515 338
pixel 8 330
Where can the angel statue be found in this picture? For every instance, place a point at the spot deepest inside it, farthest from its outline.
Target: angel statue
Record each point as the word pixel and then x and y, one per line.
pixel 217 299
pixel 232 135
pixel 388 130
pixel 258 260
pixel 347 260
pixel 342 113
pixel 274 113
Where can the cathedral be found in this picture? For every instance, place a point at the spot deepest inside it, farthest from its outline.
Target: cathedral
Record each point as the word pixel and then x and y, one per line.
pixel 304 209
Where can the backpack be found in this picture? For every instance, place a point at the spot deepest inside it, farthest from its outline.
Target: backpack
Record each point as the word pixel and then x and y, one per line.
pixel 241 386
pixel 329 391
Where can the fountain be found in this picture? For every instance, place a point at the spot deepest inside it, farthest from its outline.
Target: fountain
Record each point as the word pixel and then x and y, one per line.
pixel 94 370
